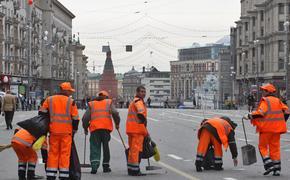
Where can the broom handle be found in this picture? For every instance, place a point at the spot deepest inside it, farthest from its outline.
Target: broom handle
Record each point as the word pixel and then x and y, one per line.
pixel 85 149
pixel 121 139
pixel 244 131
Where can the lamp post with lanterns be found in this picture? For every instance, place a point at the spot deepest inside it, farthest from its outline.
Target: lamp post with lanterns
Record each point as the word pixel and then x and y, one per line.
pixel 286 28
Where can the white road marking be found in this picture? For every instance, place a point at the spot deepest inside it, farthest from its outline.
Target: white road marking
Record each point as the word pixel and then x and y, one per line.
pixel 287 150
pixel 188 160
pixel 238 169
pixel 152 119
pixel 229 178
pixel 174 156
pixel 181 173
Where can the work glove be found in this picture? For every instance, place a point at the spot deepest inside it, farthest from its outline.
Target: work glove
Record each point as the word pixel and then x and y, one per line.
pixel 235 160
pixel 247 116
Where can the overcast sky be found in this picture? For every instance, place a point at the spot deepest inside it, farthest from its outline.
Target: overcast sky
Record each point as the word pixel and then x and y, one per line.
pixel 156 28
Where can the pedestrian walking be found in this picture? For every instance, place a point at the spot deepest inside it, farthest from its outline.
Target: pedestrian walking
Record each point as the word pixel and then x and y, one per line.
pixel 251 102
pixel 217 132
pixel 64 120
pixel 22 143
pixel 98 119
pixel 149 102
pixel 8 108
pixel 136 130
pixel 270 120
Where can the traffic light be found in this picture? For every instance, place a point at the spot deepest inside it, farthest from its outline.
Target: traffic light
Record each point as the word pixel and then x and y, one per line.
pixel 30 2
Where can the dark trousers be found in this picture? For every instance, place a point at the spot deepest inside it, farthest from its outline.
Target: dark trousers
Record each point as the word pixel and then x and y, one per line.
pixel 100 138
pixel 8 118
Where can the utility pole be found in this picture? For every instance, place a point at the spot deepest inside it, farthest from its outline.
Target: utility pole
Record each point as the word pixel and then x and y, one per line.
pixel 256 44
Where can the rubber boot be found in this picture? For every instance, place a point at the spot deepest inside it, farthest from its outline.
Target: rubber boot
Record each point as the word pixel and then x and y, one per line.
pixel 21 175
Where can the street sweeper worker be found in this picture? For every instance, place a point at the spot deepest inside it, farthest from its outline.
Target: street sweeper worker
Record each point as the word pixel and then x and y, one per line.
pixel 98 119
pixel 270 120
pixel 217 132
pixel 136 130
pixel 22 142
pixel 64 120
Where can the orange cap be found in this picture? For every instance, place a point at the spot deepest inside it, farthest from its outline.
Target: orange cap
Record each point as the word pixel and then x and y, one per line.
pixel 103 93
pixel 269 88
pixel 66 86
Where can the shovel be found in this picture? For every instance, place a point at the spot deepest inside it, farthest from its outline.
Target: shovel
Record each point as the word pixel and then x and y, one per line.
pixel 84 165
pixel 151 168
pixel 248 151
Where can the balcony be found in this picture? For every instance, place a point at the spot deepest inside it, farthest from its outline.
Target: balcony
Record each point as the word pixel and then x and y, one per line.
pixel 8 20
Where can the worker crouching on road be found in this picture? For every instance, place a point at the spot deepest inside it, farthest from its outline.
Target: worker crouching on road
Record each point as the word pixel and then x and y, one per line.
pixel 136 131
pixel 22 143
pixel 270 121
pixel 218 132
pixel 98 118
pixel 63 124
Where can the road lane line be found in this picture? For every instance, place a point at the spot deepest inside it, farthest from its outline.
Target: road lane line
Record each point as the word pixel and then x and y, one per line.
pixel 229 178
pixel 181 173
pixel 249 140
pixel 174 157
pixel 152 119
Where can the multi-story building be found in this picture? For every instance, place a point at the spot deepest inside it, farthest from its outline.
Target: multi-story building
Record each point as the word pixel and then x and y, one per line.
pixel 260 51
pixel 190 71
pixel 131 80
pixel 157 84
pixel 93 84
pixel 36 46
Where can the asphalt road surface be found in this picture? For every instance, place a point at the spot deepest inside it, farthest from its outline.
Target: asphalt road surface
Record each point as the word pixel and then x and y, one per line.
pixel 174 131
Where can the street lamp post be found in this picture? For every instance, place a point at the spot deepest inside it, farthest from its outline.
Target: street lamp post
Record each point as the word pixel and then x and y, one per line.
pixel 233 73
pixel 29 25
pixel 256 44
pixel 244 74
pixel 286 28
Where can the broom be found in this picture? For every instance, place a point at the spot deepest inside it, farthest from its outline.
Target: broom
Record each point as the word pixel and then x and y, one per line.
pixel 3 147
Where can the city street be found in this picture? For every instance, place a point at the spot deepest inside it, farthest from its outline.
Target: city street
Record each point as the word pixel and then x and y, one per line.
pixel 175 134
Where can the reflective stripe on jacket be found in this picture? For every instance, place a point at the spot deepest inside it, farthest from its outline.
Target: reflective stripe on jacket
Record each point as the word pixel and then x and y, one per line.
pixel 100 115
pixel 60 114
pixel 23 137
pixel 222 127
pixel 133 123
pixel 271 110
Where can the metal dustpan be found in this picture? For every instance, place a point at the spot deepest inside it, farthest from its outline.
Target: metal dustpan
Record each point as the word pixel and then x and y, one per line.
pixel 84 165
pixel 152 168
pixel 248 151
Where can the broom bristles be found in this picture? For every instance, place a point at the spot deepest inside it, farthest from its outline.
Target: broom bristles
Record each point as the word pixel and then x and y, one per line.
pixel 3 147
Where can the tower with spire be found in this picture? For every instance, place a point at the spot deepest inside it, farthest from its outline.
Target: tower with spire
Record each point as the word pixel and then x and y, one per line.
pixel 108 81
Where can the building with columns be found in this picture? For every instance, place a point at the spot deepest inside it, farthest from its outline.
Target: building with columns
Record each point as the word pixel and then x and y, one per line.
pixel 190 71
pixel 260 46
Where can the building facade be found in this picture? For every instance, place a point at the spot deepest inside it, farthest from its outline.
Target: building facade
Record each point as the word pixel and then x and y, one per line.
pixel 260 46
pixel 93 84
pixel 157 84
pixel 36 46
pixel 131 80
pixel 189 73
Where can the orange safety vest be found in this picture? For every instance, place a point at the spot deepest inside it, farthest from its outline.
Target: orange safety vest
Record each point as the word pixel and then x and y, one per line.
pixel 273 120
pixel 223 129
pixel 101 115
pixel 60 114
pixel 133 125
pixel 24 137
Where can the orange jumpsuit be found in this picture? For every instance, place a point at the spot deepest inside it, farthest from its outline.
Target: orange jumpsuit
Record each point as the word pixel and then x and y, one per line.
pixel 270 124
pixel 217 132
pixel 22 144
pixel 136 131
pixel 63 116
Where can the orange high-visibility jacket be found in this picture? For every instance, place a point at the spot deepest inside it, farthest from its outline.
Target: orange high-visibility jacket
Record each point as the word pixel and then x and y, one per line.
pixel 101 117
pixel 222 127
pixel 24 137
pixel 271 110
pixel 62 112
pixel 133 123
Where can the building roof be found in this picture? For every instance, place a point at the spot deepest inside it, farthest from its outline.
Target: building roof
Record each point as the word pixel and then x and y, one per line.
pixel 61 6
